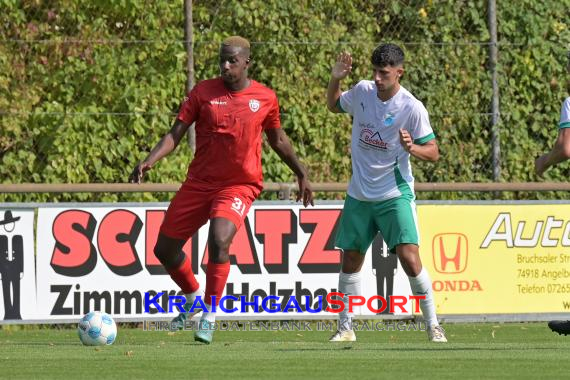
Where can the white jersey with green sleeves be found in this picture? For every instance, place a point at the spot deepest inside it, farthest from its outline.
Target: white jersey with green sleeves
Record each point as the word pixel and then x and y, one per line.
pixel 565 114
pixel 380 166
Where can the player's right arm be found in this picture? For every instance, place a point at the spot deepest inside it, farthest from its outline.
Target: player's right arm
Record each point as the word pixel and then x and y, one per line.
pixel 189 113
pixel 561 149
pixel 167 144
pixel 559 152
pixel 340 70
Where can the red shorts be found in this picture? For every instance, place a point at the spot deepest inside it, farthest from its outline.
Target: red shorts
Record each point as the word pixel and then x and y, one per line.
pixel 194 204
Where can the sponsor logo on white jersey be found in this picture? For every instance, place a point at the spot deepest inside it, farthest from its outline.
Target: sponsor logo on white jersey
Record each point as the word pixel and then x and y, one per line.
pixel 371 139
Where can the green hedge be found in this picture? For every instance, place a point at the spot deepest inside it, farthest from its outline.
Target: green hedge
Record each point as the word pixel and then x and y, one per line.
pixel 66 103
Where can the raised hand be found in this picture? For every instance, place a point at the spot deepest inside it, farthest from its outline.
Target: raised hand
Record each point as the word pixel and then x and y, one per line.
pixel 343 66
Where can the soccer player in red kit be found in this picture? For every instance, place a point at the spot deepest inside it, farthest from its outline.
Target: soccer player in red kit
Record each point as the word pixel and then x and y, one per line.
pixel 225 176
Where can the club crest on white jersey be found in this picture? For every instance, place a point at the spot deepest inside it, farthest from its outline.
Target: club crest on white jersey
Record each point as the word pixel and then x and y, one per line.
pixel 388 119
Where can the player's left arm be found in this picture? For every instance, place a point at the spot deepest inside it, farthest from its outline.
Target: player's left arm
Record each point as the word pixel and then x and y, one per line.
pixel 426 151
pixel 280 143
pixel 418 138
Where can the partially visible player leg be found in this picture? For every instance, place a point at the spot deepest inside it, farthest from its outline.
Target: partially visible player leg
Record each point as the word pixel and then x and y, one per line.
pixel 229 209
pixel 355 234
pixel 349 283
pixel 420 283
pixel 187 212
pixel 221 234
pixel 398 224
pixel 178 265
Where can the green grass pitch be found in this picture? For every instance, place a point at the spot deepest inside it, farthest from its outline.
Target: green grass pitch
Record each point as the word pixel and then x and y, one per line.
pixel 475 351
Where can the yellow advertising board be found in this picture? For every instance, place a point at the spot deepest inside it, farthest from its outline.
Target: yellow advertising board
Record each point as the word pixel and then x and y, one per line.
pixel 507 258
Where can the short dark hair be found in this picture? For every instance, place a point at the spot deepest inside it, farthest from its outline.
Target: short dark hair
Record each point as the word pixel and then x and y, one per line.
pixel 387 55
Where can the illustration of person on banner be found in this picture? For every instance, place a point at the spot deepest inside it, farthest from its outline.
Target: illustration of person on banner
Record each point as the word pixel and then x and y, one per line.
pixel 11 265
pixel 384 267
pixel 560 152
pixel 388 126
pixel 231 112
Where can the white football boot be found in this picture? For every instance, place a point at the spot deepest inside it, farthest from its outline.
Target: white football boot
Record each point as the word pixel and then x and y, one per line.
pixel 343 336
pixel 436 334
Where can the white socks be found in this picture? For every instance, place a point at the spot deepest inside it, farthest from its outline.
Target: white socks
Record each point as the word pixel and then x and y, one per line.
pixel 349 284
pixel 190 297
pixel 421 286
pixel 209 316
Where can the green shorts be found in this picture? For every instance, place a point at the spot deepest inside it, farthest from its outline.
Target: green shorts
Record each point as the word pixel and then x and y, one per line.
pixel 360 221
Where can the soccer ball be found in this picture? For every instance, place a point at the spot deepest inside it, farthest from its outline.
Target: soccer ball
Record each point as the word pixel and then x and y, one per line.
pixel 97 329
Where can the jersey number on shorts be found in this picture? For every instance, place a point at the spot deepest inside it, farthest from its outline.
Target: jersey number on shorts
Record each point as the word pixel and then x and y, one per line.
pixel 238 206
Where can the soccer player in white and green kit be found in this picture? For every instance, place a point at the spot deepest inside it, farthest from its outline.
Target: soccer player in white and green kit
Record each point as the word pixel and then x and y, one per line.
pixel 560 152
pixel 389 124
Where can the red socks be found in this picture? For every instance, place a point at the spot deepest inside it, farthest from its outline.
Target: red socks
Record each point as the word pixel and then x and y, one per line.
pixel 184 277
pixel 216 278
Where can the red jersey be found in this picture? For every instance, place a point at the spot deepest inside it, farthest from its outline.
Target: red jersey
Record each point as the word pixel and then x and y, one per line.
pixel 228 131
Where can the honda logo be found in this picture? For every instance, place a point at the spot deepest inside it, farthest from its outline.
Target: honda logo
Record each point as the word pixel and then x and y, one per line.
pixel 450 251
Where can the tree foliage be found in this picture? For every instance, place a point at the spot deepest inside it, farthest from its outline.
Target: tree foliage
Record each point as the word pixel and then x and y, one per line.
pixel 87 88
